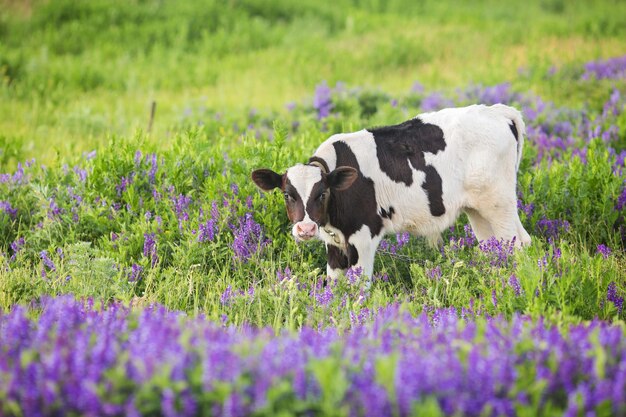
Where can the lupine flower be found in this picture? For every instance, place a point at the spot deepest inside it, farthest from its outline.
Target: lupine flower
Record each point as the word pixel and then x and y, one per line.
pixel 613 68
pixel 514 283
pixel 135 273
pixel 353 274
pixel 611 295
pixel 621 200
pixel 207 231
pixel 528 209
pixel 54 211
pixel 7 208
pixel 434 273
pixel 150 248
pixel 323 298
pixel 552 228
pixel 604 250
pixel 17 246
pixel 284 275
pixel 227 295
pixel 248 238
pixel 80 173
pixel 322 100
pixel 435 101
pixel 498 251
pixel 47 264
pixel 123 185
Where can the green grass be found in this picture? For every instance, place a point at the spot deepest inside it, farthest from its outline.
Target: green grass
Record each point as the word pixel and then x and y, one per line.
pixel 74 74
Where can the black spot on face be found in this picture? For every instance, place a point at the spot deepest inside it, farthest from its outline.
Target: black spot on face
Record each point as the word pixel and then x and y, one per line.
pixel 293 202
pixel 514 130
pixel 350 209
pixel 403 146
pixel 316 206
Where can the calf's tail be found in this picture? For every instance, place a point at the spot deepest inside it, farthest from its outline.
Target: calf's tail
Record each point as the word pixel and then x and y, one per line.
pixel 517 126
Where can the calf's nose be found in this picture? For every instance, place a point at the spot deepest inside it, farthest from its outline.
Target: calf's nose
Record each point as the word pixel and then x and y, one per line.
pixel 306 230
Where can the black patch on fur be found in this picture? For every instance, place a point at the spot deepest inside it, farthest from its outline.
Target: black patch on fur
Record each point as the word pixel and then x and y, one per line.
pixel 320 161
pixel 353 255
pixel 350 209
pixel 338 259
pixel 315 207
pixel 295 206
pixel 387 214
pixel 403 146
pixel 514 130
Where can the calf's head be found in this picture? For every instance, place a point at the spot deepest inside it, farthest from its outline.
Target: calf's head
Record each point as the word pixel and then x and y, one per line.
pixel 307 190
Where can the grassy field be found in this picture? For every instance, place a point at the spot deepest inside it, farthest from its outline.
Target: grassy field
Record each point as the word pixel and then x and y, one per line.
pixel 141 247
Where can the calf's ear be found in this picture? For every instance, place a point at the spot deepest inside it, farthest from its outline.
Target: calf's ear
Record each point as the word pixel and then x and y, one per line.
pixel 266 179
pixel 342 178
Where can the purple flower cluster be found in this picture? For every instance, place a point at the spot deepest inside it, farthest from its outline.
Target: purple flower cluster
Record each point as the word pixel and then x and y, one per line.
pixel 435 101
pixel 402 239
pixel 5 206
pixel 611 295
pixel 468 239
pixel 248 238
pixel 76 358
pixel 322 100
pixel 552 228
pixel 498 251
pixel 150 248
pixel 499 93
pixel 613 68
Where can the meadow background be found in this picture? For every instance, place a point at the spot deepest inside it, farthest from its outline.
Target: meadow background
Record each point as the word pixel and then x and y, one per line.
pixel 142 273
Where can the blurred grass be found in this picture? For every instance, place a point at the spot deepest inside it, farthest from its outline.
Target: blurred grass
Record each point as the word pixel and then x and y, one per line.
pixel 75 73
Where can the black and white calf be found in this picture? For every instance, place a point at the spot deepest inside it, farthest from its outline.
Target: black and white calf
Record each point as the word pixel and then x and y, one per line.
pixel 417 176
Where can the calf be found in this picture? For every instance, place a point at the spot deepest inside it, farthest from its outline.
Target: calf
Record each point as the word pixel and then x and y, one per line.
pixel 417 176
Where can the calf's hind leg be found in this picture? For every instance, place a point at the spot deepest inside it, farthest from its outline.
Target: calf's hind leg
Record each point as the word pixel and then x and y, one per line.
pixel 504 221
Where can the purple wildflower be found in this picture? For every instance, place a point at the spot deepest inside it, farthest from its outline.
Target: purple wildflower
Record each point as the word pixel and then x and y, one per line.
pixel 80 173
pixel 322 100
pixel 621 200
pixel 207 231
pixel 47 263
pixel 494 298
pixel 17 246
pixel 7 208
pixel 417 88
pixel 135 273
pixel 227 295
pixel 434 273
pixel 611 295
pixel 150 248
pixel 514 283
pixel 552 228
pixel 353 274
pixel 123 185
pixel 54 211
pixel 613 68
pixel 323 298
pixel 248 237
pixel 284 275
pixel 604 250
pixel 528 209
pixel 435 101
